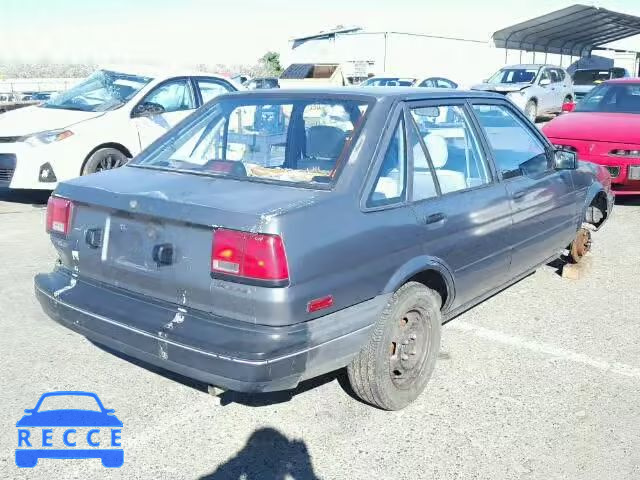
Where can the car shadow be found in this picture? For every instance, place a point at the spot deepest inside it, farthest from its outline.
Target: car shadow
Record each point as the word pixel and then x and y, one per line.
pixel 247 399
pixel 36 198
pixel 558 264
pixel 267 455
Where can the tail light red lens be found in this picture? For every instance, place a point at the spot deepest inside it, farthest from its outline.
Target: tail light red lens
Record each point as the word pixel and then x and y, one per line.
pixel 59 215
pixel 252 256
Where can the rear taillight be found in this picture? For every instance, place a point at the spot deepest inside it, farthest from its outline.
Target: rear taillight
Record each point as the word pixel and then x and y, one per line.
pixel 59 215
pixel 253 257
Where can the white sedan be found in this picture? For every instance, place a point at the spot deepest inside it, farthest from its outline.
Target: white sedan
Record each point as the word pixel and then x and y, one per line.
pixel 99 124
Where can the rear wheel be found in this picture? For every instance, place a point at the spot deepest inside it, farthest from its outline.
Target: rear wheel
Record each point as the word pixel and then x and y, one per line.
pixel 531 110
pixel 104 159
pixel 393 369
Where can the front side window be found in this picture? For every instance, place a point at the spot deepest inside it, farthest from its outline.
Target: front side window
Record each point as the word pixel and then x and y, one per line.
pixel 390 183
pixel 612 98
pixel 210 88
pixel 452 147
pixel 428 83
pixel 103 90
pixel 292 140
pixel 545 76
pixel 172 96
pixel 516 149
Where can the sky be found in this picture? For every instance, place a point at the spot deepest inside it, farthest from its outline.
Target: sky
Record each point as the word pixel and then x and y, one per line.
pixel 190 32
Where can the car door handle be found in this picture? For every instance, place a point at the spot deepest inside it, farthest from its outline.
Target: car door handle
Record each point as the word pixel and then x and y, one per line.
pixel 518 195
pixel 434 218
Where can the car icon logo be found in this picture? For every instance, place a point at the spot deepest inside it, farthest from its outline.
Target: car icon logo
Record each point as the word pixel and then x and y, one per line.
pixel 69 425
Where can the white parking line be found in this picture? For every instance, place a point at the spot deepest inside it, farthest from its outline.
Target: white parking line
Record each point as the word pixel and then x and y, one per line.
pixel 547 349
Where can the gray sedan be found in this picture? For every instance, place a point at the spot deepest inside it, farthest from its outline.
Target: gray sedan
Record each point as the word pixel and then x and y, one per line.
pixel 273 236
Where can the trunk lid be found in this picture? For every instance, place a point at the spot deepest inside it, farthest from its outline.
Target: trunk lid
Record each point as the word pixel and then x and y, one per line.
pixel 124 219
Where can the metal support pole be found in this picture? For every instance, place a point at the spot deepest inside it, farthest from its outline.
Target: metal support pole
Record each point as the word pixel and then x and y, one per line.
pixel 384 62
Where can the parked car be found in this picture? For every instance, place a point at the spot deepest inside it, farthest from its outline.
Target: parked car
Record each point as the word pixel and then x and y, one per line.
pixel 262 82
pixel 388 82
pixel 436 82
pixel 99 124
pixel 536 89
pixel 42 96
pixel 253 251
pixel 604 128
pixel 585 80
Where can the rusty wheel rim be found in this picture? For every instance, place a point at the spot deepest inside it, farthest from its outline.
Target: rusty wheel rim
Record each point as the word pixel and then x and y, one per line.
pixel 581 245
pixel 409 348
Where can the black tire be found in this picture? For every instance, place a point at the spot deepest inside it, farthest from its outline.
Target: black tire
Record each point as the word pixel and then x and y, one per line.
pixel 389 373
pixel 104 159
pixel 531 110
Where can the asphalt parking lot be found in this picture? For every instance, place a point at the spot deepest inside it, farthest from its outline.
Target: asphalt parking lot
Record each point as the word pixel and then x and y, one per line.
pixel 541 381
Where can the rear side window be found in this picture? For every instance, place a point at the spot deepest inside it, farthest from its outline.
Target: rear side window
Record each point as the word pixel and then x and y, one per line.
pixel 516 149
pixel 265 139
pixel 390 183
pixel 453 149
pixel 211 88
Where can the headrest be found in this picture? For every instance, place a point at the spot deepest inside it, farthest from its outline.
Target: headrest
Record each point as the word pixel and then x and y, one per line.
pixel 438 150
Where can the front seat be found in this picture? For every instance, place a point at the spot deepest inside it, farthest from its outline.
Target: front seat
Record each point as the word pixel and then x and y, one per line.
pixel 450 180
pixel 324 145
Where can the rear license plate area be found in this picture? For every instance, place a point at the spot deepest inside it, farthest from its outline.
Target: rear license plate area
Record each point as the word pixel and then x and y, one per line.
pixel 131 243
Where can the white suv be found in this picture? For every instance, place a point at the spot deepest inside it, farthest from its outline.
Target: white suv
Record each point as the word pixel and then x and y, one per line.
pixel 536 89
pixel 99 124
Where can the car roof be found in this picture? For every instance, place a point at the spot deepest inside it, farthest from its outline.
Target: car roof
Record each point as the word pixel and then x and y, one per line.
pixel 159 72
pixel 532 65
pixel 400 93
pixel 624 80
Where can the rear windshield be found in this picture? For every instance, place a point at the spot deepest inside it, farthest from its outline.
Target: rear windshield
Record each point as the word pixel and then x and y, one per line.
pixel 591 77
pixel 304 141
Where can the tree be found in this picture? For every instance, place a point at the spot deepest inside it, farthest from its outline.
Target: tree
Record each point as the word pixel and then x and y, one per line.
pixel 270 63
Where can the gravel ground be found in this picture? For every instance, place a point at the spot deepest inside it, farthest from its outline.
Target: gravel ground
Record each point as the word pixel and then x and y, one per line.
pixel 542 381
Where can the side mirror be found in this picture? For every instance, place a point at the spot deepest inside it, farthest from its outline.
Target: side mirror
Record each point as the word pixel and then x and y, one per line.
pixel 109 411
pixel 545 82
pixel 147 109
pixel 568 107
pixel 565 159
pixel 28 410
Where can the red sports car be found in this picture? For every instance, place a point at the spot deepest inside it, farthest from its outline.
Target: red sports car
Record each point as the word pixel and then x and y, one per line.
pixel 604 128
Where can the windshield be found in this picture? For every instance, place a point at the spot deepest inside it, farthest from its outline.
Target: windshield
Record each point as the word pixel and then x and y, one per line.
pixel 514 75
pixel 103 90
pixel 590 77
pixel 267 138
pixel 69 402
pixel 613 98
pixel 388 82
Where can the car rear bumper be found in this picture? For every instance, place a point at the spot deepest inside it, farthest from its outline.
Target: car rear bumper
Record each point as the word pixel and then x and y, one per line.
pixel 227 353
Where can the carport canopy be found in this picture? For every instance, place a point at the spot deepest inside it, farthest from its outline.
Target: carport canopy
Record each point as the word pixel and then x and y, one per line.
pixel 574 30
